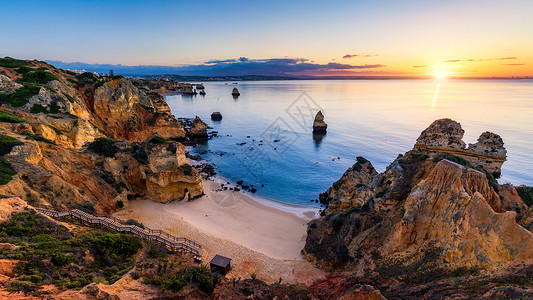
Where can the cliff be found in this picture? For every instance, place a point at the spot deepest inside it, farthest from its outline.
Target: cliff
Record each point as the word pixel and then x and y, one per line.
pixel 430 212
pixel 56 116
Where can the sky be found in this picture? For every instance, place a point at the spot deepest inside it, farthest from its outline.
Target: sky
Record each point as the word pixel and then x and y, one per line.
pixel 294 38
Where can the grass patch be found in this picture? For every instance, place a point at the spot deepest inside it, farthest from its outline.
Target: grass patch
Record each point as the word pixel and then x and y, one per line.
pixel 8 62
pixel 21 96
pixel 6 171
pixel 104 146
pixel 7 143
pixel 9 118
pixel 39 76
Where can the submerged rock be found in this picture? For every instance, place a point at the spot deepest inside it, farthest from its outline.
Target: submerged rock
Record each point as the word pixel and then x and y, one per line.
pixel 216 116
pixel 235 92
pixel 319 126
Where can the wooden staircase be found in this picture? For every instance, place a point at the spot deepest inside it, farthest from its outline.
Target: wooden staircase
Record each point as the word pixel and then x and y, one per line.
pixel 169 241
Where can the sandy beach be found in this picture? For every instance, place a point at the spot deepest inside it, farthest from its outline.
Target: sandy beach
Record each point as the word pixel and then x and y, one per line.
pixel 260 236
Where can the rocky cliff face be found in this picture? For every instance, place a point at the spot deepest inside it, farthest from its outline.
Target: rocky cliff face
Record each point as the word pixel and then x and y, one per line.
pixel 125 112
pixel 57 113
pixel 425 210
pixel 445 136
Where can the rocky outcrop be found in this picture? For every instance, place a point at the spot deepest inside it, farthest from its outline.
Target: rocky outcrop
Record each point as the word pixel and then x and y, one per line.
pixel 216 116
pixel 319 126
pixel 198 128
pixel 451 210
pixel 422 208
pixel 445 136
pixel 354 189
pixel 235 92
pixel 187 89
pixel 10 205
pixel 124 112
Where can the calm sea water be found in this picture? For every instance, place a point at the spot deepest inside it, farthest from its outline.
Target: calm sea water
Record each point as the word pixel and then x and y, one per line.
pixel 377 119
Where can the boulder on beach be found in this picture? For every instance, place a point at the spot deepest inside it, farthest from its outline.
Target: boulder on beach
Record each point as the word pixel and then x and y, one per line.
pixel 319 126
pixel 200 86
pixel 216 116
pixel 235 92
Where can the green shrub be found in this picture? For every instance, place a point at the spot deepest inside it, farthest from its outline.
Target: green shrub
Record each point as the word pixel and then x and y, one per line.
pixel 158 140
pixel 9 118
pixel 70 99
pixel 6 171
pixel 60 259
pixel 7 143
pixel 104 146
pixel 140 154
pixel 118 244
pixel 187 169
pixel 39 138
pixel 526 193
pixel 39 76
pixel 20 97
pixel 23 70
pixel 8 62
pixel 134 222
pixel 38 108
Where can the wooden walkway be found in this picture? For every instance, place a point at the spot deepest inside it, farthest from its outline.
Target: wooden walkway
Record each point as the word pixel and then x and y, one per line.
pixel 171 242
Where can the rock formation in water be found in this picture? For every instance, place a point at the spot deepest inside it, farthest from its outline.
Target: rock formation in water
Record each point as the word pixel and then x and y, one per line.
pixel 445 136
pixel 198 128
pixel 319 126
pixel 187 89
pixel 235 92
pixel 429 211
pixel 216 116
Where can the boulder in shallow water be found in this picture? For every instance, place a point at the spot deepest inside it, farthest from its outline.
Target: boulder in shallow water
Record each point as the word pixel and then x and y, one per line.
pixel 235 92
pixel 319 126
pixel 216 116
pixel 198 128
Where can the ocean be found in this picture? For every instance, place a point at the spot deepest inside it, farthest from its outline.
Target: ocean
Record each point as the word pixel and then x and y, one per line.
pixel 265 137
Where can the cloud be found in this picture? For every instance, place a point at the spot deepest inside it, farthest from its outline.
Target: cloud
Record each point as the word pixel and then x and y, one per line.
pixel 422 66
pixel 513 64
pixel 227 67
pixel 364 54
pixel 350 55
pixel 481 59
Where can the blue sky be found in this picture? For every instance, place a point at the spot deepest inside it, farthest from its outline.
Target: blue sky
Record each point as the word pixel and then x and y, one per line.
pixel 396 35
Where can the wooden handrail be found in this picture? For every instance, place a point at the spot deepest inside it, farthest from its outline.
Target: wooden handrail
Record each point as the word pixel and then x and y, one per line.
pixel 162 237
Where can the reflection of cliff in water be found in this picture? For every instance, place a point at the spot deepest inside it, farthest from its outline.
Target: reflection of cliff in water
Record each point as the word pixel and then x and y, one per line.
pixel 318 137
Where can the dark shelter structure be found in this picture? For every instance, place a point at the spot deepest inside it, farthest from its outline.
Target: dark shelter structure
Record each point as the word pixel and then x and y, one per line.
pixel 220 264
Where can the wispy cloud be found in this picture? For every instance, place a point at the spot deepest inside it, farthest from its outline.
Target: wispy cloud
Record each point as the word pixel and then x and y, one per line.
pixel 481 59
pixel 422 66
pixel 224 67
pixel 513 64
pixel 364 54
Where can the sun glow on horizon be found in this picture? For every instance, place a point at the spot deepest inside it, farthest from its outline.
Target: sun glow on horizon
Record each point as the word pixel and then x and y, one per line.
pixel 442 75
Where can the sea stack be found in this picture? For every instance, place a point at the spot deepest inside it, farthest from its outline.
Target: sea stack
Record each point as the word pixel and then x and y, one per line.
pixel 235 92
pixel 198 128
pixel 319 126
pixel 216 116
